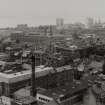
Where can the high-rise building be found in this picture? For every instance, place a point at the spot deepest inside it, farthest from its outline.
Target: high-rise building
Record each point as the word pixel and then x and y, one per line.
pixel 59 23
pixel 90 22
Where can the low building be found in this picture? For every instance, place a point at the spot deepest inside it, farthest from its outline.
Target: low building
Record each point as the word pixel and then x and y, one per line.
pixel 68 94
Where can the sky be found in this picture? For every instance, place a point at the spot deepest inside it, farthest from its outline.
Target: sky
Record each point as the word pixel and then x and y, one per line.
pixel 43 12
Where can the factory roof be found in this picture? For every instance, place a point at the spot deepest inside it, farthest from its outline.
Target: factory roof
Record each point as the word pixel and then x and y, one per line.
pixel 71 88
pixel 68 89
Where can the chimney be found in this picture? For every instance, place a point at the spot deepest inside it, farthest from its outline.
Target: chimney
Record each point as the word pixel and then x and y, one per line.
pixel 33 83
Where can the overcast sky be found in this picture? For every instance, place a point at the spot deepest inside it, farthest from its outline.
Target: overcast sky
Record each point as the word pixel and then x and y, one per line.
pixel 36 12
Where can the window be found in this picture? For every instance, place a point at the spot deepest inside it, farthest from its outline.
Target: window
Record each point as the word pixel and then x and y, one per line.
pixel 43 99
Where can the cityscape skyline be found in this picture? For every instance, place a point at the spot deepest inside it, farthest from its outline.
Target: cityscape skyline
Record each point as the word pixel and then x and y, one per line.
pixel 38 12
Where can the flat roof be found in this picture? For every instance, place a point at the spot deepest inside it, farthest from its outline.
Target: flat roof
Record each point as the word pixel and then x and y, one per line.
pixel 15 77
pixel 26 74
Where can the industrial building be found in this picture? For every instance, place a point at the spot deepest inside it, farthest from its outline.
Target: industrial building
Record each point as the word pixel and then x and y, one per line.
pixel 68 94
pixel 10 80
